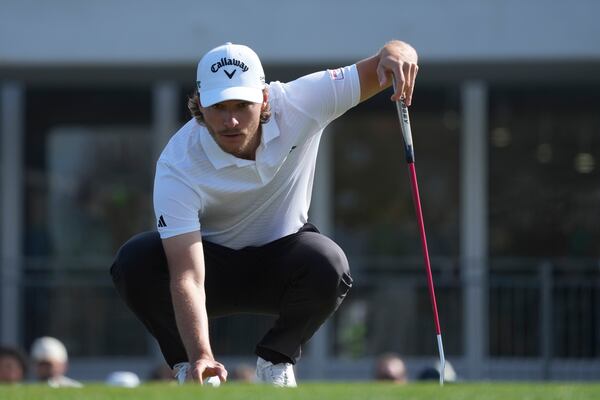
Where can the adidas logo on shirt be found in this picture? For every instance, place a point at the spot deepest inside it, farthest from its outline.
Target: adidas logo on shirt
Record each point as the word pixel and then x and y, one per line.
pixel 161 222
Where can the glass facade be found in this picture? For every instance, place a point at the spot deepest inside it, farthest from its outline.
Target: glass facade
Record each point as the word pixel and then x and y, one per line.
pixel 544 180
pixel 88 181
pixel 544 208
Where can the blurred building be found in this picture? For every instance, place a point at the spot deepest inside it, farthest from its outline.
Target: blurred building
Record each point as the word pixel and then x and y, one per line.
pixel 506 129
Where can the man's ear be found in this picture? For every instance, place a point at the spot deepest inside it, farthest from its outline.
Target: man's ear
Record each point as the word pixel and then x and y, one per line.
pixel 265 98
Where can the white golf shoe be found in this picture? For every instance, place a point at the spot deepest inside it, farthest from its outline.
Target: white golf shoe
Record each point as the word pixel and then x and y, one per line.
pixel 281 375
pixel 181 373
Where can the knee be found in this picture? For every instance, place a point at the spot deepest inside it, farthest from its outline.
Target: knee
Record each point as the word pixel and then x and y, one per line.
pixel 328 268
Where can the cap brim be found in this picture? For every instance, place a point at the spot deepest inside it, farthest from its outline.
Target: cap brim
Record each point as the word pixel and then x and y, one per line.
pixel 211 97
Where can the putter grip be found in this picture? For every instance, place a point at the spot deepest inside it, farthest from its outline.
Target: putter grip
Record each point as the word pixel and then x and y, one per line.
pixel 402 110
pixel 406 132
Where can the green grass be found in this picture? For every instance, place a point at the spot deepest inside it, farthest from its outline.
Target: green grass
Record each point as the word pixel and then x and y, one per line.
pixel 315 391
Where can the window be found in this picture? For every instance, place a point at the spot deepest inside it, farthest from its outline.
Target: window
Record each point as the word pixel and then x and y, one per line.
pixel 544 177
pixel 88 185
pixel 544 184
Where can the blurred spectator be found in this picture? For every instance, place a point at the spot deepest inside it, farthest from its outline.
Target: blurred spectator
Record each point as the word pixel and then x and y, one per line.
pixel 51 362
pixel 390 367
pixel 162 372
pixel 13 366
pixel 123 379
pixel 244 373
pixel 433 373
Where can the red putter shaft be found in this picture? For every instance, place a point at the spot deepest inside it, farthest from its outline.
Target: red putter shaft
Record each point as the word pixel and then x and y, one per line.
pixel 419 212
pixel 402 110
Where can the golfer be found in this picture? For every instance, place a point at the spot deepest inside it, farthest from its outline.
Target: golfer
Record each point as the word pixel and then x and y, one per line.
pixel 231 196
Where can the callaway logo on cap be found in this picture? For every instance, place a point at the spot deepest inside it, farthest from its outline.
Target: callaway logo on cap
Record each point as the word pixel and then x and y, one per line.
pixel 230 72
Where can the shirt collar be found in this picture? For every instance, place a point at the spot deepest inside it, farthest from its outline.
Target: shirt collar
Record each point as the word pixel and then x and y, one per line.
pixel 270 131
pixel 216 156
pixel 221 159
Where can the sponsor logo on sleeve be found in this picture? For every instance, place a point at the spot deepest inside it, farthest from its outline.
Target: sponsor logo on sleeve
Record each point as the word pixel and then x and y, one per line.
pixel 336 74
pixel 161 222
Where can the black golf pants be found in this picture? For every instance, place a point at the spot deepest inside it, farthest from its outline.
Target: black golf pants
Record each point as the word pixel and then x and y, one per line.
pixel 301 278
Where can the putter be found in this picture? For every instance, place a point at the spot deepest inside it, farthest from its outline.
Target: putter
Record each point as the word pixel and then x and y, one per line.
pixel 410 159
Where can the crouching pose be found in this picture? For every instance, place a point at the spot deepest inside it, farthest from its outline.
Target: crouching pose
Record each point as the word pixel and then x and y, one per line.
pixel 231 197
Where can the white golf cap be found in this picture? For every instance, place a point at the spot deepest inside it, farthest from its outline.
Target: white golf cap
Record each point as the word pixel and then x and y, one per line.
pixel 230 72
pixel 48 349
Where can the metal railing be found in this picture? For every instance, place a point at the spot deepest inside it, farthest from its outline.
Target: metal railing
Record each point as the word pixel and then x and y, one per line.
pixel 543 315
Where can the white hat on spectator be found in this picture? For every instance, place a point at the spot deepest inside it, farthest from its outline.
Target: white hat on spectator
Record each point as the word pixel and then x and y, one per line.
pixel 48 349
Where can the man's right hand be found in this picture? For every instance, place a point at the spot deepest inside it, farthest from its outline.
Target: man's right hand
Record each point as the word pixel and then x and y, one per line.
pixel 186 268
pixel 204 368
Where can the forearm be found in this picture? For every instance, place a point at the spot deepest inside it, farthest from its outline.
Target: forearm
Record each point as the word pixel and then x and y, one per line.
pixel 189 305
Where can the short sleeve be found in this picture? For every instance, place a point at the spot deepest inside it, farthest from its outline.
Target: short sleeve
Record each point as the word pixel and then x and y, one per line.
pixel 176 204
pixel 324 95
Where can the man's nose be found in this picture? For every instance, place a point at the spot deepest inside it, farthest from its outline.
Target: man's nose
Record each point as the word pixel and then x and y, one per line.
pixel 231 121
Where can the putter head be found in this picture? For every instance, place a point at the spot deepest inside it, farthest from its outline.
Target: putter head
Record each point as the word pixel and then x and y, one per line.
pixel 442 366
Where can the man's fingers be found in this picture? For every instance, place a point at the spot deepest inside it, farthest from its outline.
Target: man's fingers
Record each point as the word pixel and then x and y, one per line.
pixel 400 84
pixel 216 369
pixel 204 369
pixel 196 375
pixel 381 75
pixel 219 371
pixel 222 375
pixel 410 87
pixel 400 60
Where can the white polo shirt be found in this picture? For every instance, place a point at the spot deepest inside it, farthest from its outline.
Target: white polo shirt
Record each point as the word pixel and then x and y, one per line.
pixel 236 202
